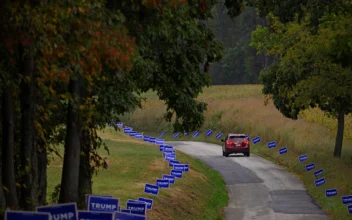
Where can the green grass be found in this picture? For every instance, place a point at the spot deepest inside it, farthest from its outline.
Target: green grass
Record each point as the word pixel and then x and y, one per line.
pixel 200 194
pixel 241 109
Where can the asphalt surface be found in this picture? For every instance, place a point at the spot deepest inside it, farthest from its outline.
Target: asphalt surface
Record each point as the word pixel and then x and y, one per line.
pixel 258 189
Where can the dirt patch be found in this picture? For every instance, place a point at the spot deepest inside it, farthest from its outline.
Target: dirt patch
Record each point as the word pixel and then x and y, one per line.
pixel 126 141
pixel 125 170
pixel 108 137
pixel 157 164
pixel 159 213
pixel 140 185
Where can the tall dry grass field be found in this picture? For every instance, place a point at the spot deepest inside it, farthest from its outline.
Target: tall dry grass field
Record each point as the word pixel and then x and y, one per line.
pixel 241 109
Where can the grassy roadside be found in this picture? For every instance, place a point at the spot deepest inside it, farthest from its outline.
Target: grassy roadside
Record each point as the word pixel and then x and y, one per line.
pixel 200 194
pixel 241 109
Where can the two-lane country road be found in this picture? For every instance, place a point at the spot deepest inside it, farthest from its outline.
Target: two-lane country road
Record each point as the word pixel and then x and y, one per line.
pixel 258 189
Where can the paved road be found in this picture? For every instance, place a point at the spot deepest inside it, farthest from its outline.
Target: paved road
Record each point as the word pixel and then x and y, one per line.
pixel 258 189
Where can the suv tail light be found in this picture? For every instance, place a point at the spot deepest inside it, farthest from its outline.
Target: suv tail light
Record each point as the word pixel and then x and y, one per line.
pixel 228 142
pixel 245 143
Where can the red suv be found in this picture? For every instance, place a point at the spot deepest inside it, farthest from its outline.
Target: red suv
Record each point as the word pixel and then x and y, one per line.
pixel 235 143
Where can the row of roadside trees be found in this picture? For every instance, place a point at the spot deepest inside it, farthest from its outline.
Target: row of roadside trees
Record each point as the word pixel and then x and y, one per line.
pixel 68 67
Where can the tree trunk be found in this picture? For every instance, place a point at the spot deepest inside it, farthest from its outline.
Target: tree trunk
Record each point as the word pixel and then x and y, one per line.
pixel 28 187
pixel 34 173
pixel 40 147
pixel 3 4
pixel 85 169
pixel 339 135
pixel 8 146
pixel 70 171
pixel 2 196
pixel 42 174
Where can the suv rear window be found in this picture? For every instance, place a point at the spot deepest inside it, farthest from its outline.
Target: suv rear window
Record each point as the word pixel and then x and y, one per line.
pixel 237 137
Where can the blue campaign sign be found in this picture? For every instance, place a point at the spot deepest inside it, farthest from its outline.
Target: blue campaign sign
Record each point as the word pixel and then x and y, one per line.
pixel 219 135
pixel 138 208
pixel 177 174
pixel 347 199
pixel 179 167
pixel 119 124
pixel 176 135
pixel 86 215
pixel 62 211
pixel 125 210
pixel 128 216
pixel 349 209
pixel 170 157
pixel 283 150
pixel 169 153
pixel 103 204
pixel 159 141
pixel 256 140
pixel 146 138
pixel 195 134
pixel 272 144
pixel 186 167
pixel 161 147
pixel 209 132
pixel 149 202
pixel 247 137
pixel 133 200
pixel 170 178
pixel 87 196
pixel 139 135
pixel 162 183
pixel 168 148
pixel 127 130
pixel 330 192
pixel 165 154
pixel 302 158
pixel 151 189
pixel 152 140
pixel 173 162
pixel 185 134
pixel 318 172
pixel 26 215
pixel 133 133
pixel 161 134
pixel 319 182
pixel 310 167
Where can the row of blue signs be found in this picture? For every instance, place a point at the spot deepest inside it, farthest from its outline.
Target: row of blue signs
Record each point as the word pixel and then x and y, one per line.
pixel 167 180
pixel 99 208
pixel 105 207
pixel 346 200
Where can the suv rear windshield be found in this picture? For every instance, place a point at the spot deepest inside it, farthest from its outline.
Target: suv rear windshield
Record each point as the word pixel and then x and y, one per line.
pixel 237 137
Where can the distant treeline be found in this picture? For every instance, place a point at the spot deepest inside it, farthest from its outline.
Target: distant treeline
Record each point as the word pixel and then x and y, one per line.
pixel 240 64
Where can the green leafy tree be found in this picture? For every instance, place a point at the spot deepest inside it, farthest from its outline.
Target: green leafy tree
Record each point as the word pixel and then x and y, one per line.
pixel 312 67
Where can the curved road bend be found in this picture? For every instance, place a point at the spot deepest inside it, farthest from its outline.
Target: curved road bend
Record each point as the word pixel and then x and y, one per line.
pixel 258 189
